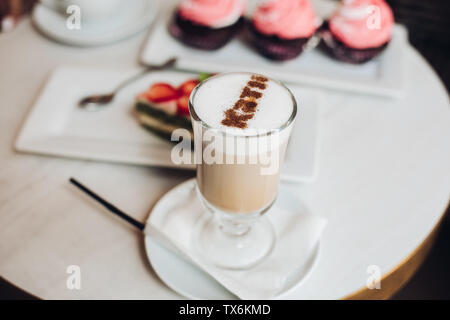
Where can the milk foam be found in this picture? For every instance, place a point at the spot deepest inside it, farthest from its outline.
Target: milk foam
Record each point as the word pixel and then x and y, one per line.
pixel 219 93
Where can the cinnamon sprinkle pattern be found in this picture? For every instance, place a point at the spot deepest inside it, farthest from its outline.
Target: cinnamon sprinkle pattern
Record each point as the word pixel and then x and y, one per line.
pixel 244 109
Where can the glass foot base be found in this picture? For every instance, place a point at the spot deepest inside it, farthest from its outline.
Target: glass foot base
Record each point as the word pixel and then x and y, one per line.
pixel 234 251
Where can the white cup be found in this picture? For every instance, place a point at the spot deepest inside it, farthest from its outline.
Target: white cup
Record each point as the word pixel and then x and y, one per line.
pixel 90 10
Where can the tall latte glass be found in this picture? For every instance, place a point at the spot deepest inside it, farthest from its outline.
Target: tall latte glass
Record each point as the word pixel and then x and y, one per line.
pixel 242 122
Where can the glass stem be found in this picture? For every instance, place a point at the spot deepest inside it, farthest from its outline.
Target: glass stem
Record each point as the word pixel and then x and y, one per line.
pixel 234 226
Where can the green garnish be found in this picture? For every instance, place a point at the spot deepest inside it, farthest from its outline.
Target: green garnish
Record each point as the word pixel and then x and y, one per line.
pixel 203 76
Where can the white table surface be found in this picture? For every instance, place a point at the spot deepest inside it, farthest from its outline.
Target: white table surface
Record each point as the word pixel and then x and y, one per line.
pixel 383 184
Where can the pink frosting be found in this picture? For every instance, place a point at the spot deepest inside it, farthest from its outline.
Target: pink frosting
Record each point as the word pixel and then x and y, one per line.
pixel 362 24
pixel 212 13
pixel 287 19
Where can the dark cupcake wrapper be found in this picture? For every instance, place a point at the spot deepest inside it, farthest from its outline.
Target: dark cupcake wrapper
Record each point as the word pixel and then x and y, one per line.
pixel 339 50
pixel 202 37
pixel 274 47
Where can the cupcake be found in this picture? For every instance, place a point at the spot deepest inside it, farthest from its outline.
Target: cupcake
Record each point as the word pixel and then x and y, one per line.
pixel 358 31
pixel 207 24
pixel 280 29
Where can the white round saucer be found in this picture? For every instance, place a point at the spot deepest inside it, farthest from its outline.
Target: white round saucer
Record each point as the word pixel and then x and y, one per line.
pixel 132 17
pixel 188 280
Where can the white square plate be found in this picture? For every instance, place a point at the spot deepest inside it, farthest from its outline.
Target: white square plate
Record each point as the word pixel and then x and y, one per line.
pixel 56 126
pixel 381 76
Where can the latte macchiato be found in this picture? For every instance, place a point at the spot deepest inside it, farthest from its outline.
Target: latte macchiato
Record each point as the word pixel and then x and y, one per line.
pixel 242 123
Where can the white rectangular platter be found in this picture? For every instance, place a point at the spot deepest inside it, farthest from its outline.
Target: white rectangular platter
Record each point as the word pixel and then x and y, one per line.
pixel 56 126
pixel 381 76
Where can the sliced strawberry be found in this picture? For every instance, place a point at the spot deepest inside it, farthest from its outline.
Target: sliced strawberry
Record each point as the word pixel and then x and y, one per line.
pixel 186 87
pixel 183 105
pixel 160 92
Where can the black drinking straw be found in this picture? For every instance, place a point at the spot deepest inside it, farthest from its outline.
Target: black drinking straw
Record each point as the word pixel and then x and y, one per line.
pixel 110 207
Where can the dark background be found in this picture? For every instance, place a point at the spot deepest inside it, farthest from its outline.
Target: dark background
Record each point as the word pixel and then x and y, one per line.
pixel 428 23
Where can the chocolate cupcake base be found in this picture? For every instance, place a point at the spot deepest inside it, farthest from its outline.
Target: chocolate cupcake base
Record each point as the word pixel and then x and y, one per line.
pixel 337 49
pixel 203 37
pixel 276 48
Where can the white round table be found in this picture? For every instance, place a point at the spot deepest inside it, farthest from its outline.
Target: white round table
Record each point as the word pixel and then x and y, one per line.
pixel 383 184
